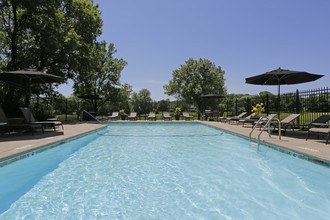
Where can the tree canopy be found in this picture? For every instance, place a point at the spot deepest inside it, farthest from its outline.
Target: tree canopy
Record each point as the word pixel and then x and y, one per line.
pixel 60 38
pixel 101 74
pixel 47 34
pixel 194 79
pixel 142 102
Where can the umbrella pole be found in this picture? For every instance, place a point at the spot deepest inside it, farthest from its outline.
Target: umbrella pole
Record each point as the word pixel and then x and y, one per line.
pixel 279 101
pixel 28 94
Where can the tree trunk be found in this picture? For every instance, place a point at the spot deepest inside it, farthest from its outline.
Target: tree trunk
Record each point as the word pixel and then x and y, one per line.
pixel 13 62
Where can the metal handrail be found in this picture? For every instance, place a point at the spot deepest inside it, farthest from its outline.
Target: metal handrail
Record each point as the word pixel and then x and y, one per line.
pixel 255 126
pixel 268 124
pixel 92 116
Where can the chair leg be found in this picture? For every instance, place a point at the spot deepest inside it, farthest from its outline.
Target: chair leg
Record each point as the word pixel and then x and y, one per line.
pixel 307 135
pixel 32 130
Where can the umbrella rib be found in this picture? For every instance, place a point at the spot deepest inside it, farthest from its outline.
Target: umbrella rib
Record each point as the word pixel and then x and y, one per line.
pixel 270 78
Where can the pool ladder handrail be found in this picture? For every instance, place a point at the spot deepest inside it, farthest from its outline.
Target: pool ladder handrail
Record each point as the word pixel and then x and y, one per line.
pixel 267 125
pixel 92 116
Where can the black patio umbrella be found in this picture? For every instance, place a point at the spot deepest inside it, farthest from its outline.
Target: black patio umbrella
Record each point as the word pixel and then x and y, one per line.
pixel 23 79
pixel 210 96
pixel 91 97
pixel 282 77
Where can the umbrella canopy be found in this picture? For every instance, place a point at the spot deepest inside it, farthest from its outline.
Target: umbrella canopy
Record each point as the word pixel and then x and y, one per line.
pixel 22 79
pixel 93 97
pixel 212 96
pixel 26 75
pixel 282 77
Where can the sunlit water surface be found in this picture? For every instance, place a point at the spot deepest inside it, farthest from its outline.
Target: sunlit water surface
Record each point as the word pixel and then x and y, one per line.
pixel 163 171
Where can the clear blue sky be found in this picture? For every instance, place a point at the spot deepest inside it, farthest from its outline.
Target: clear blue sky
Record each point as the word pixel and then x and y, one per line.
pixel 245 38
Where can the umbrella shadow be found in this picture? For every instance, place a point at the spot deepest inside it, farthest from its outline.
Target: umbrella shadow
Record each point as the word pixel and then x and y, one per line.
pixel 292 134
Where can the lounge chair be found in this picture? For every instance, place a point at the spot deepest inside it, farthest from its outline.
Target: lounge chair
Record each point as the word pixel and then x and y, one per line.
pixel 166 115
pixel 186 116
pixel 29 118
pixel 319 131
pixel 319 122
pixel 132 116
pixel 8 127
pixel 236 118
pixel 286 122
pixel 207 114
pixel 222 117
pixel 114 116
pixel 249 119
pixel 152 116
pixel 215 114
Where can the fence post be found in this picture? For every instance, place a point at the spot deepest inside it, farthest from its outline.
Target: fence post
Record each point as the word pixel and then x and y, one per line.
pixel 297 102
pixel 327 105
pixel 267 104
pixel 247 105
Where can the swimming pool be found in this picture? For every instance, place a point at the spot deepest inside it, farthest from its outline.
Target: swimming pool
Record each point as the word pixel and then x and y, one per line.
pixel 163 171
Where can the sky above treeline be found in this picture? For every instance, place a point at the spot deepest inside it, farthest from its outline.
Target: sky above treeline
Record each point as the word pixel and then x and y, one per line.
pixel 245 38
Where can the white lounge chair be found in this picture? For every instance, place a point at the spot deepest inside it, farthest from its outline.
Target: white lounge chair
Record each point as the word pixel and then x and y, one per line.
pixel 114 116
pixel 152 116
pixel 166 115
pixel 186 116
pixel 132 116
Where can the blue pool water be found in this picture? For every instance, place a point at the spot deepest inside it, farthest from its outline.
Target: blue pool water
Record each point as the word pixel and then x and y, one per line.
pixel 163 171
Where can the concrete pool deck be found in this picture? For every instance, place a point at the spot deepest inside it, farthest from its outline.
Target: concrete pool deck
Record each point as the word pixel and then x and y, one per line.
pixel 294 141
pixel 15 144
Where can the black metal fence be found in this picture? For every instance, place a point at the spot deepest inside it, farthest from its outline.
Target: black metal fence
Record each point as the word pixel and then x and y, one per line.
pixel 310 104
pixel 313 103
pixel 235 107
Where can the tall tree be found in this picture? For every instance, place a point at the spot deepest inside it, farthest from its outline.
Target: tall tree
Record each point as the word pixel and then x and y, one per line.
pixel 51 35
pixel 47 34
pixel 123 98
pixel 142 102
pixel 164 105
pixel 194 79
pixel 100 75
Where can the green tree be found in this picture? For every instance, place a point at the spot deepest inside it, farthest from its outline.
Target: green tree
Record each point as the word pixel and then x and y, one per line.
pixel 47 34
pixel 122 99
pixel 164 105
pixel 194 79
pixel 142 102
pixel 100 75
pixel 50 35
